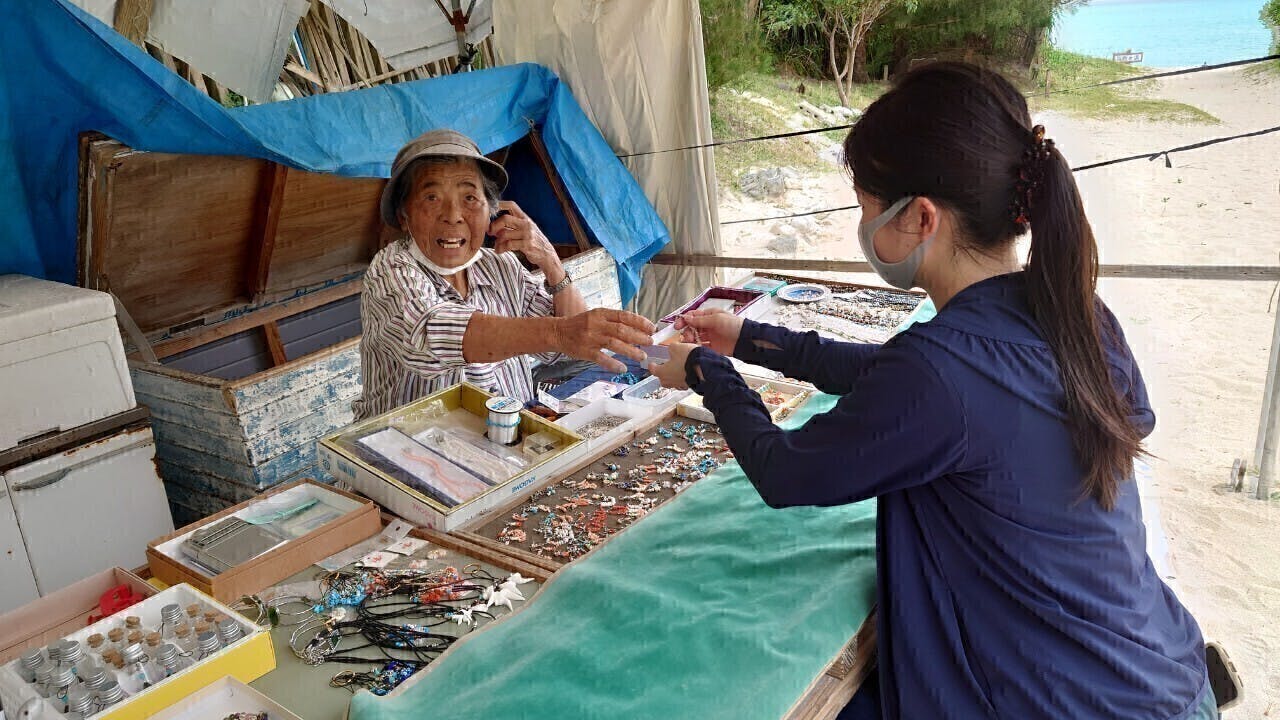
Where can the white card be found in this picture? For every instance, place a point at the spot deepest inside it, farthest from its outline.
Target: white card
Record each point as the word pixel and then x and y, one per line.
pixel 378 559
pixel 407 546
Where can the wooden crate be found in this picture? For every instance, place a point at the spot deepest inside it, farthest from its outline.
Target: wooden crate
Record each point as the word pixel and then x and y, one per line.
pixel 244 277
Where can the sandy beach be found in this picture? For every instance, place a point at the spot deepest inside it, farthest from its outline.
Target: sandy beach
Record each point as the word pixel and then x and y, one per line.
pixel 1202 345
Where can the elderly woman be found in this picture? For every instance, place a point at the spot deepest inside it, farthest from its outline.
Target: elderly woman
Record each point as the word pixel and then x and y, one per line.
pixel 439 308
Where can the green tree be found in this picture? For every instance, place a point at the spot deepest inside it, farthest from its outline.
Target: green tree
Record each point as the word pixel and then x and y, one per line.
pixel 733 41
pixel 842 25
pixel 1012 31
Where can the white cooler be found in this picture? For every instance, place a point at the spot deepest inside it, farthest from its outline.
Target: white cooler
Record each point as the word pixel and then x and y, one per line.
pixel 62 363
pixel 74 504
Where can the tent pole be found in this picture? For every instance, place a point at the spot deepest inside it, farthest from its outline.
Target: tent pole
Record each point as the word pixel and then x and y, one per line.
pixel 1270 420
pixel 460 29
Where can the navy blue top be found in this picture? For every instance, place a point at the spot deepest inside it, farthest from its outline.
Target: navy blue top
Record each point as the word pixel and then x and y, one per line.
pixel 1003 591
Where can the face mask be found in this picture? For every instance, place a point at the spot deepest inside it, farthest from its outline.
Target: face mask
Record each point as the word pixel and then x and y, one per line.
pixel 439 269
pixel 901 275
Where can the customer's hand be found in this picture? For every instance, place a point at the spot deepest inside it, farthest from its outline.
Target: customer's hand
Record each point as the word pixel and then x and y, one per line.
pixel 715 329
pixel 517 232
pixel 671 373
pixel 587 335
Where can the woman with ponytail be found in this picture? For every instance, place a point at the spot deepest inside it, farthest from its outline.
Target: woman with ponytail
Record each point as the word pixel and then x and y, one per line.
pixel 999 437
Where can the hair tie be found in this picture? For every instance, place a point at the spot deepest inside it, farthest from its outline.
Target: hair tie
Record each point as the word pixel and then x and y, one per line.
pixel 1030 175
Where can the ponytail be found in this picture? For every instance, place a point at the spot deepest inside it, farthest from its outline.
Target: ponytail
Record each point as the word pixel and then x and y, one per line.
pixel 978 121
pixel 1062 273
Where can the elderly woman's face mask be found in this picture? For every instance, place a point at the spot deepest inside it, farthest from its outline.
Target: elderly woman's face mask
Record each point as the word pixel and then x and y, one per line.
pixel 447 215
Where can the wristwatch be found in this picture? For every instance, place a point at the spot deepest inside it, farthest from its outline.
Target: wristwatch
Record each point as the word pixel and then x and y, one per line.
pixel 564 283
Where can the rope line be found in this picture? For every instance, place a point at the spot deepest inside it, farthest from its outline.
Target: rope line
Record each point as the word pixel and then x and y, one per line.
pixel 831 128
pixel 1144 156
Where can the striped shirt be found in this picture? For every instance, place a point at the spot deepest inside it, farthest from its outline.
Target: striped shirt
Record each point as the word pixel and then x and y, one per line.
pixel 414 321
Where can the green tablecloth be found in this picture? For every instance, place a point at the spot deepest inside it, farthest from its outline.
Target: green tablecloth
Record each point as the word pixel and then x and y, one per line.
pixel 716 606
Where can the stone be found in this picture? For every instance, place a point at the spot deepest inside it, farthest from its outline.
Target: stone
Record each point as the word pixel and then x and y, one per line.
pixel 763 184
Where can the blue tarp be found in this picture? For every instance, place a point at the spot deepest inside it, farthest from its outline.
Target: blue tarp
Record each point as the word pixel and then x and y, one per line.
pixel 63 72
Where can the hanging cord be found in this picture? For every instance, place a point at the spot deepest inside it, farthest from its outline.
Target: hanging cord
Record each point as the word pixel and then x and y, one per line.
pixel 832 128
pixel 1144 156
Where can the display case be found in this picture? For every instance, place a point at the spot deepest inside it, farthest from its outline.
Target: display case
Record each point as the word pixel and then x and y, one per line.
pixel 303 522
pixel 431 463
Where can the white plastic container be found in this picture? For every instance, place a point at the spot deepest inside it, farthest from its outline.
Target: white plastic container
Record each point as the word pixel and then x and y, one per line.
pixel 62 363
pixel 636 394
pixel 634 412
pixel 222 699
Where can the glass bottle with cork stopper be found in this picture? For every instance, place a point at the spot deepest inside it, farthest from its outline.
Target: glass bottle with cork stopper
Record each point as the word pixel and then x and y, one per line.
pixel 116 636
pixel 184 640
pixel 97 642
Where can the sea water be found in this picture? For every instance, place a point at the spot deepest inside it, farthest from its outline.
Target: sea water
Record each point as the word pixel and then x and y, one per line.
pixel 1170 33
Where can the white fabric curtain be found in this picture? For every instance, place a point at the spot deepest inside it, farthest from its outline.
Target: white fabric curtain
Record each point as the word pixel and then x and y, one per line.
pixel 637 69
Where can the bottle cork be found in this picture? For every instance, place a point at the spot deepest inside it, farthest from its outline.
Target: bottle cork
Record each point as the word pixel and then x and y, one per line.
pixel 183 631
pixel 210 615
pixel 96 640
pixel 135 637
pixel 116 634
pixel 201 627
pixel 133 622
pixel 118 662
pixel 153 639
pixel 193 610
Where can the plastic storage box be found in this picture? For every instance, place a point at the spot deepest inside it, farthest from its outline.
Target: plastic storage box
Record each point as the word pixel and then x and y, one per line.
pixel 62 363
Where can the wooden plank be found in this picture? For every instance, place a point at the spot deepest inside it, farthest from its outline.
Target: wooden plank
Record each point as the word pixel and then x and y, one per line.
pixel 254 319
pixel 266 223
pixel 835 687
pixel 335 361
pixel 1262 273
pixel 557 187
pixel 217 91
pixel 295 69
pixel 274 344
pixel 325 229
pixel 329 32
pixel 133 19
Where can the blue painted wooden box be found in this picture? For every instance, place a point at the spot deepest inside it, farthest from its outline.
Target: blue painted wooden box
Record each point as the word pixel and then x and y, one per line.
pixel 243 278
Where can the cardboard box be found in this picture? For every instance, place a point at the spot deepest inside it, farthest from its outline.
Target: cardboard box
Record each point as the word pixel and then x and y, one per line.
pixel 342 456
pixel 275 565
pixel 223 698
pixel 248 659
pixel 61 613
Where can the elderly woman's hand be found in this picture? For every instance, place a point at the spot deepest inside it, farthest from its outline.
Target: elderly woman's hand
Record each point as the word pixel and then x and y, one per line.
pixel 587 335
pixel 517 232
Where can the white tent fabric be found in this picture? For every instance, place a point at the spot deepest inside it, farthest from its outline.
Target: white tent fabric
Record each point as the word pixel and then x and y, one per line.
pixel 637 69
pixel 409 34
pixel 240 44
pixel 104 10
